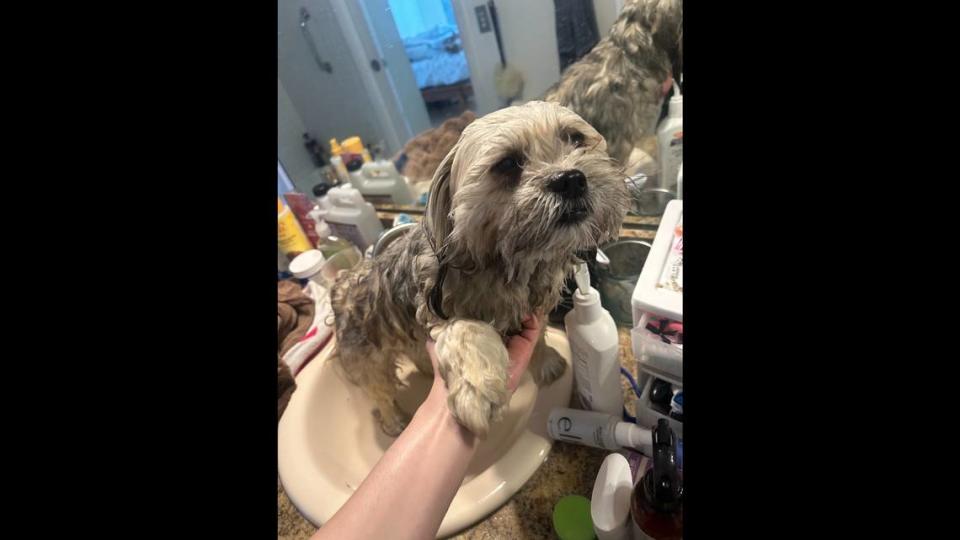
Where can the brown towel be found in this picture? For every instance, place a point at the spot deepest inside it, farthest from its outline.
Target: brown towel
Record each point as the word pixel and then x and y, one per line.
pixel 294 314
pixel 294 317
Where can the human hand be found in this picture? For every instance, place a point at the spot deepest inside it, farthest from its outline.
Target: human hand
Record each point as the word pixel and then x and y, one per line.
pixel 519 348
pixel 667 85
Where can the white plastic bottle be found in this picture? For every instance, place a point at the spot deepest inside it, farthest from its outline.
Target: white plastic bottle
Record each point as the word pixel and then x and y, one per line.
pixel 610 501
pixel 380 183
pixel 596 348
pixel 598 430
pixel 352 218
pixel 337 161
pixel 680 183
pixel 670 141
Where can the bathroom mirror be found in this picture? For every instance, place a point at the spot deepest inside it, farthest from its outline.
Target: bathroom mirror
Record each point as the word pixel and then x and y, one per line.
pixel 405 76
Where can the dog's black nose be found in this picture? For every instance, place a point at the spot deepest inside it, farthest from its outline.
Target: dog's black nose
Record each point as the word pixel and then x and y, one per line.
pixel 568 184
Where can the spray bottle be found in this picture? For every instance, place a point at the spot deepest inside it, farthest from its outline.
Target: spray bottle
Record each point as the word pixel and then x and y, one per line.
pixel 596 348
pixel 657 505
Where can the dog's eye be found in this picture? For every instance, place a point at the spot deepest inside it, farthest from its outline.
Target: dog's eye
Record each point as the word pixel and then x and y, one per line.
pixel 575 138
pixel 509 166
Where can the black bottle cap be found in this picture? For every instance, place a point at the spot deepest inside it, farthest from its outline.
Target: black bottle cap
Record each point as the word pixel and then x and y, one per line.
pixel 662 485
pixel 355 163
pixel 321 189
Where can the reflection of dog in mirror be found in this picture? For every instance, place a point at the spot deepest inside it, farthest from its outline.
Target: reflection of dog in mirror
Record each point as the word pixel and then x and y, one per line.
pixel 618 86
pixel 522 190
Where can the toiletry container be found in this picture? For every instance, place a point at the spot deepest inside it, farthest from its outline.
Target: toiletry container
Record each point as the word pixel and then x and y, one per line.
pixel 598 430
pixel 354 165
pixel 307 265
pixel 323 204
pixel 657 304
pixel 571 518
pixel 680 182
pixel 301 206
pixel 355 146
pixel 336 160
pixel 610 500
pixel 380 183
pixel 656 507
pixel 670 141
pixel 290 236
pixel 352 218
pixel 595 346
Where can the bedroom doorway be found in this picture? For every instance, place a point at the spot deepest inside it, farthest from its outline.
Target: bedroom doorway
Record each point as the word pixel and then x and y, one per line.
pixel 432 43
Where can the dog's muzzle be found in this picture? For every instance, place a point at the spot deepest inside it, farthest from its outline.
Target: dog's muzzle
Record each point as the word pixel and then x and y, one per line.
pixel 571 186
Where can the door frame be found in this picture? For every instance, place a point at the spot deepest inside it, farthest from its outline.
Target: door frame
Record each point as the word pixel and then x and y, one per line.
pixel 383 98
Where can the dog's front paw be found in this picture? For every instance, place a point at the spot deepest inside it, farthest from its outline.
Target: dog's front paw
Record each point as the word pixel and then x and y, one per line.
pixel 477 407
pixel 550 369
pixel 473 363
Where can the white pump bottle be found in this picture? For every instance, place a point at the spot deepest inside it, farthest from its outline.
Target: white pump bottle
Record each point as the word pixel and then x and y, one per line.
pixel 596 349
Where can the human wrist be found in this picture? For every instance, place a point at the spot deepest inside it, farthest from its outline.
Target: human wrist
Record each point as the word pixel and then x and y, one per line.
pixel 436 412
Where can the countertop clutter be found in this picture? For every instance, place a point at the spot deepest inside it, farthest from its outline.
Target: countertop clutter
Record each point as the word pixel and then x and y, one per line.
pixel 569 470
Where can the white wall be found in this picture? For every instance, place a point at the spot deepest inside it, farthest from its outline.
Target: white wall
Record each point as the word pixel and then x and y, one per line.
pixel 606 12
pixel 482 55
pixel 529 32
pixel 290 150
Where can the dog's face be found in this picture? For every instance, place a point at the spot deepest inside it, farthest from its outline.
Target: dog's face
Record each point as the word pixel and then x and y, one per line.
pixel 527 182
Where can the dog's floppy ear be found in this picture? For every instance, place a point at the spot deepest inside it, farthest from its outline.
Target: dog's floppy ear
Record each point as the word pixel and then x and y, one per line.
pixel 439 225
pixel 438 221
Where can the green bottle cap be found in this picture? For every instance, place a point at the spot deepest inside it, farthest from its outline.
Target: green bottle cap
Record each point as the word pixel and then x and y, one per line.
pixel 571 518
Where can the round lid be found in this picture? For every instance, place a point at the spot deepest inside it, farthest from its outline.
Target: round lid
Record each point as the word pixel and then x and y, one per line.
pixel 321 189
pixel 355 164
pixel 307 264
pixel 335 147
pixel 353 144
pixel 571 518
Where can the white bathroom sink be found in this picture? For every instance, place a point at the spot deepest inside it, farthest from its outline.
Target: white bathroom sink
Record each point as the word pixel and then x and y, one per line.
pixel 328 440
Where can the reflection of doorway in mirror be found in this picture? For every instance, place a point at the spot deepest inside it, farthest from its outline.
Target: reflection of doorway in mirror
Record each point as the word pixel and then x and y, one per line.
pixel 432 43
pixel 335 80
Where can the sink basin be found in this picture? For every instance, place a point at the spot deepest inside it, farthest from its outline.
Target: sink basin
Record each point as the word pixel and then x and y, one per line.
pixel 328 440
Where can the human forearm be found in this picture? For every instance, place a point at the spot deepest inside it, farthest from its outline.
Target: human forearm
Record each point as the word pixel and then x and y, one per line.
pixel 431 455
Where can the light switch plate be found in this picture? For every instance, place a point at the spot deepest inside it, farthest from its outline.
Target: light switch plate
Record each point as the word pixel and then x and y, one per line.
pixel 483 19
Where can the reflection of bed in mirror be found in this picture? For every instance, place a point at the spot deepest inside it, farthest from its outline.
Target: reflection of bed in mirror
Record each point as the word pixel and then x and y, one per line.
pixel 439 65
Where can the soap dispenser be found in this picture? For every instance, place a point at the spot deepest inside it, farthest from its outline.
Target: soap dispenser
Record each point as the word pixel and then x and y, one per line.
pixel 595 345
pixel 657 505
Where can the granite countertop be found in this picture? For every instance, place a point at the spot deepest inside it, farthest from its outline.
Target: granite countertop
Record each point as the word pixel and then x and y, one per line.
pixel 568 470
